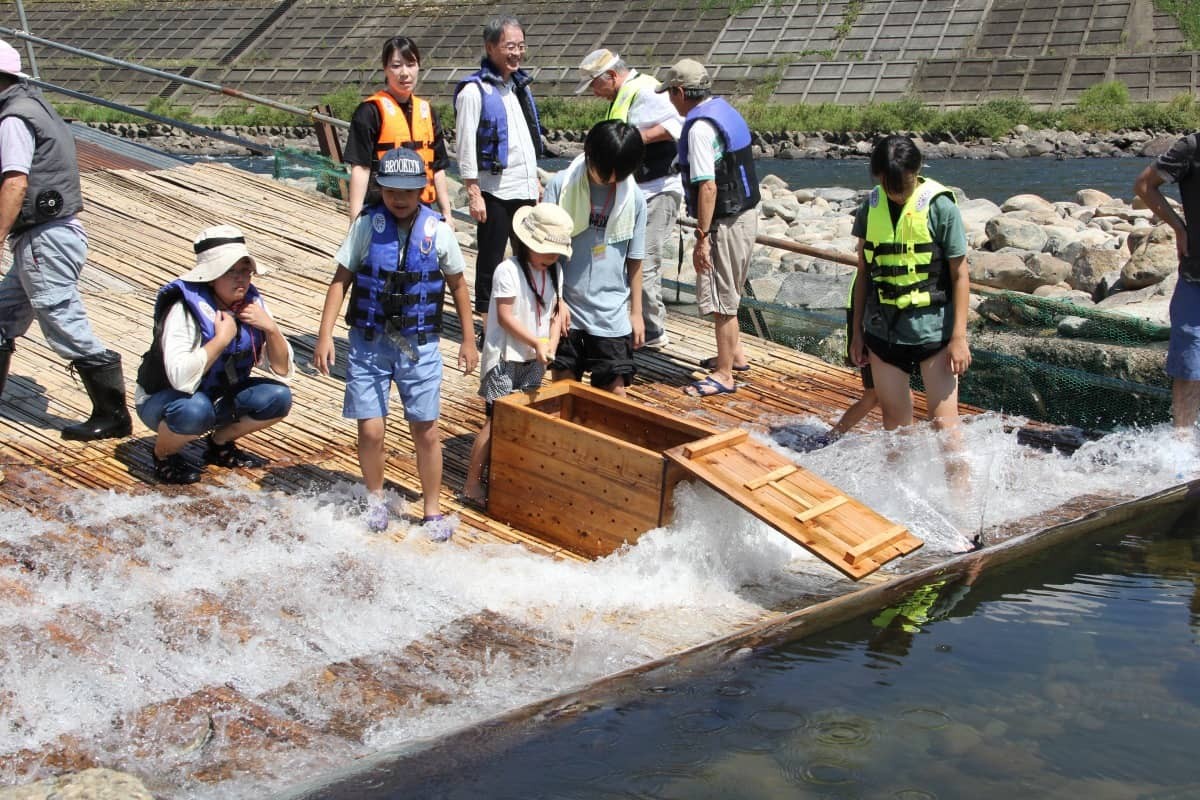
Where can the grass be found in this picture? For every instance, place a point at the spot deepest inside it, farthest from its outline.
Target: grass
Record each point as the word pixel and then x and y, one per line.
pixel 1102 108
pixel 1187 14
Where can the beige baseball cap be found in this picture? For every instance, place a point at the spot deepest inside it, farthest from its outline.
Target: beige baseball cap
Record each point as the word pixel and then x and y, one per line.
pixel 686 74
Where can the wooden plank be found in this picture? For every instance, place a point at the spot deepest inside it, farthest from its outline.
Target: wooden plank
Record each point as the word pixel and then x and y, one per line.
pixel 889 537
pixel 713 443
pixel 818 510
pixel 770 477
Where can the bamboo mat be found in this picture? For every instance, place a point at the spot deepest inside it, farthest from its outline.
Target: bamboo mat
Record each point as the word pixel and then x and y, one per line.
pixel 140 227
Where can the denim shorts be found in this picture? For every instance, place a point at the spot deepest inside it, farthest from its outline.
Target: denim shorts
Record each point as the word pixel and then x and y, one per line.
pixel 1183 351
pixel 374 364
pixel 197 413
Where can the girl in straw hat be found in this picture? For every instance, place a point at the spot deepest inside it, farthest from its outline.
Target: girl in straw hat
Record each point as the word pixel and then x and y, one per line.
pixel 211 328
pixel 523 321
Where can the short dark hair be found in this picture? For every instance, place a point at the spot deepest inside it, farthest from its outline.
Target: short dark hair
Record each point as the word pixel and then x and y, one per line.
pixel 696 94
pixel 614 149
pixel 403 46
pixel 495 26
pixel 895 160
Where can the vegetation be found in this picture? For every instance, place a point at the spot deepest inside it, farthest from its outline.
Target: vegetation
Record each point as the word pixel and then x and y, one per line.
pixel 1187 13
pixel 1104 107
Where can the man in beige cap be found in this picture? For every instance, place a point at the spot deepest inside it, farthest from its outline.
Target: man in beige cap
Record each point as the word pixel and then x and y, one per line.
pixel 39 197
pixel 632 99
pixel 721 189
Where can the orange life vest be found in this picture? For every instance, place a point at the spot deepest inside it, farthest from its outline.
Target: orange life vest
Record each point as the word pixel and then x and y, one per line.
pixel 394 132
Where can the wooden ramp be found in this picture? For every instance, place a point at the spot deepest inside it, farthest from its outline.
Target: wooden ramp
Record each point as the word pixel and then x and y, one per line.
pixel 842 531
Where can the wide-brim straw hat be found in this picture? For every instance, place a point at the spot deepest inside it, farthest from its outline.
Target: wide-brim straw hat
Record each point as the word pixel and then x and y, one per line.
pixel 544 228
pixel 217 249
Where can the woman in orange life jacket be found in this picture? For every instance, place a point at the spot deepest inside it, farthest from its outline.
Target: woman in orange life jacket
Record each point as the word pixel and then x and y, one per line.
pixel 394 117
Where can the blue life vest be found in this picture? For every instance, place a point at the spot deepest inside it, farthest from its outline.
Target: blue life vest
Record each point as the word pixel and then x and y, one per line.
pixel 399 291
pixel 736 179
pixel 491 137
pixel 234 363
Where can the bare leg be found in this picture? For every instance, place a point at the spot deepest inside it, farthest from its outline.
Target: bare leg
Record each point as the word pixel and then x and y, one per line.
pixel 729 348
pixel 480 452
pixel 240 428
pixel 168 443
pixel 941 394
pixel 895 398
pixel 1185 405
pixel 428 443
pixel 857 412
pixel 371 434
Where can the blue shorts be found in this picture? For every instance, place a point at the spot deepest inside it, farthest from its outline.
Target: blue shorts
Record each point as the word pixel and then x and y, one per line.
pixel 372 367
pixel 197 413
pixel 1183 353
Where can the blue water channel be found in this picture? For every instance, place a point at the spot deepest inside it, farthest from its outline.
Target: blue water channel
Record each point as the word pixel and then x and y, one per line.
pixel 1073 673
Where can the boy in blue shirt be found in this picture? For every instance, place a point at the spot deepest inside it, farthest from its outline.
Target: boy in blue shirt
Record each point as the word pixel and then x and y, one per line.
pixel 396 261
pixel 602 280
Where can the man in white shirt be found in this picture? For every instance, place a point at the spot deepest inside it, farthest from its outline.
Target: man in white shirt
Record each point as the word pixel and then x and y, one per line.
pixel 499 140
pixel 633 100
pixel 39 197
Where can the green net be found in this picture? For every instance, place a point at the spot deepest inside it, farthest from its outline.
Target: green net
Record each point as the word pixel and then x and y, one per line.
pixel 327 175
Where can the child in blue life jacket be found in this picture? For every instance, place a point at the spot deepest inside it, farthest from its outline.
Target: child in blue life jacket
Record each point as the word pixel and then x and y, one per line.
pixel 211 327
pixel 912 289
pixel 395 263
pixel 523 321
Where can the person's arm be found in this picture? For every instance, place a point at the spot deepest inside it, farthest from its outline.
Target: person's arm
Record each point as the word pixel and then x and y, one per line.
pixel 12 195
pixel 335 296
pixel 633 268
pixel 858 349
pixel 1147 186
pixel 706 203
pixel 443 196
pixel 655 133
pixel 468 106
pixel 279 352
pixel 468 354
pixel 360 178
pixel 958 351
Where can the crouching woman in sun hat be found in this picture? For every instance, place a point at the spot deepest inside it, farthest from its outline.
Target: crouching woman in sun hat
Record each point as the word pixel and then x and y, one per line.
pixel 211 328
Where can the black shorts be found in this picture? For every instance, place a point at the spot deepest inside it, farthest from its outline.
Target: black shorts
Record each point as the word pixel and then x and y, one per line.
pixel 607 358
pixel 904 357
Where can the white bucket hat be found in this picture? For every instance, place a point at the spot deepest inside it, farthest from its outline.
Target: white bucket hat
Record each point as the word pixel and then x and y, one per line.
pixel 217 249
pixel 544 228
pixel 10 60
pixel 595 64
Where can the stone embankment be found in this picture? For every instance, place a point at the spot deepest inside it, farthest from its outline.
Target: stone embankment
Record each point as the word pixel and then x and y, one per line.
pixel 1022 143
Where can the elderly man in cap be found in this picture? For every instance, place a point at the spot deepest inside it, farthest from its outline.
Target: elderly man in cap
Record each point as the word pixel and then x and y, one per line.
pixel 39 198
pixel 632 99
pixel 721 189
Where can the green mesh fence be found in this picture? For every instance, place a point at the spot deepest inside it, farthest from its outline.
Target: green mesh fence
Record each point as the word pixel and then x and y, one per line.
pixel 300 165
pixel 1028 311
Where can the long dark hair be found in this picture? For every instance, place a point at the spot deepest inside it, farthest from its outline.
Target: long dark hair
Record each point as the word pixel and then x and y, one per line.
pixel 522 254
pixel 895 161
pixel 403 46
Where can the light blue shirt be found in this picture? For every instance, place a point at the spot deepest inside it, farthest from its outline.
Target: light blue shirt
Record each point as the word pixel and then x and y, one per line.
pixel 595 278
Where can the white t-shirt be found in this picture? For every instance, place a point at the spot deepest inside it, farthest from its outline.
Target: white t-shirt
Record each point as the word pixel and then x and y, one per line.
pixel 651 108
pixel 509 281
pixel 705 149
pixel 518 180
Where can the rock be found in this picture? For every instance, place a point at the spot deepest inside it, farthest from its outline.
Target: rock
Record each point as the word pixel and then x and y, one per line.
pixel 91 784
pixel 1158 145
pixel 1092 198
pixel 1046 270
pixel 1058 239
pixel 1006 231
pixel 774 182
pixel 977 212
pixel 1026 202
pixel 1066 293
pixel 1002 270
pixel 836 194
pixel 785 207
pixel 811 290
pixel 1154 259
pixel 1091 265
pixel 1109 282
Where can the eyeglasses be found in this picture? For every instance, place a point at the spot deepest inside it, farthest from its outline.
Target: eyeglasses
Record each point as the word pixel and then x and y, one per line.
pixel 513 48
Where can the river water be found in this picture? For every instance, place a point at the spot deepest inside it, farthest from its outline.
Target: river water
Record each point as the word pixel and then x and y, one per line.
pixel 120 605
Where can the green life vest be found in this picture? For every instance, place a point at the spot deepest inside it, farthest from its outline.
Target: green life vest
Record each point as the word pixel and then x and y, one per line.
pixel 659 156
pixel 619 107
pixel 907 267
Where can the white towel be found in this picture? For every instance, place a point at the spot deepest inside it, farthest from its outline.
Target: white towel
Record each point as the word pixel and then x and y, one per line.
pixel 577 201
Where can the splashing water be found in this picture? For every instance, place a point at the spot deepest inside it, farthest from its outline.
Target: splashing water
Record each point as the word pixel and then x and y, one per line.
pixel 126 604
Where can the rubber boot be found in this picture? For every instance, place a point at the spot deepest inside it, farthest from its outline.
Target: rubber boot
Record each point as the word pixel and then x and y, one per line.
pixel 6 350
pixel 102 377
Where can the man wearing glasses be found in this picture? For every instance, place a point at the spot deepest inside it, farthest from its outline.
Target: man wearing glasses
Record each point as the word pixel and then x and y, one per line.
pixel 499 140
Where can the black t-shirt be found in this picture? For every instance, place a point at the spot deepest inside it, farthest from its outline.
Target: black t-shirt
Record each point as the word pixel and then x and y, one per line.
pixel 1181 165
pixel 365 126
